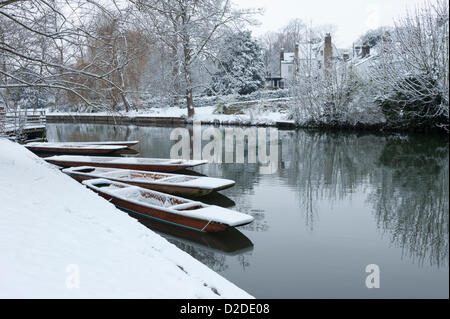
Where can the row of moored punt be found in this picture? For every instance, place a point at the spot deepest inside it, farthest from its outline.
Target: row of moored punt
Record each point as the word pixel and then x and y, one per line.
pixel 144 186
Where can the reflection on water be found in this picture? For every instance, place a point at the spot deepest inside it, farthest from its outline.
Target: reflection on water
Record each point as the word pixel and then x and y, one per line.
pixel 328 167
pixel 412 202
pixel 127 152
pixel 211 248
pixel 230 241
pixel 216 198
pixel 337 203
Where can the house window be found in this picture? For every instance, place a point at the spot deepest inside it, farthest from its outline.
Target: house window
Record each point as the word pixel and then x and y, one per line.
pixel 290 69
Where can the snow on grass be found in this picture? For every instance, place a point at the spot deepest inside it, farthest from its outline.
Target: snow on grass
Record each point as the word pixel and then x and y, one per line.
pixel 52 228
pixel 204 114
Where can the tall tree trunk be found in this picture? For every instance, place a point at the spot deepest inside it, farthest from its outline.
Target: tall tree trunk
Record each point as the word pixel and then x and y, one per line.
pixel 188 79
pixel 187 64
pixel 175 75
pixel 125 102
pixel 190 102
pixel 122 93
pixel 175 86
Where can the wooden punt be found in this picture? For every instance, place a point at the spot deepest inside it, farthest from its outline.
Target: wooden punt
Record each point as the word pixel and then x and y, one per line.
pixel 69 148
pixel 135 163
pixel 117 143
pixel 162 182
pixel 168 208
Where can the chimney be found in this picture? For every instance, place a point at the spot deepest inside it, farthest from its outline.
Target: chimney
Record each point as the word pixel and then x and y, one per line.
pixel 281 59
pixel 296 53
pixel 365 50
pixel 328 51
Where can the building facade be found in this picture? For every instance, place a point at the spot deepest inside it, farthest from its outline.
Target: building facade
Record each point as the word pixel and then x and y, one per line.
pixel 306 55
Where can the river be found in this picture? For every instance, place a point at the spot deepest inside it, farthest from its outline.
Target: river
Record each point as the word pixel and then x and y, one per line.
pixel 335 203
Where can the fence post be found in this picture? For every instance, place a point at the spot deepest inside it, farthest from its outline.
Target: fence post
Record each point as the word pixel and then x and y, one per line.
pixel 2 121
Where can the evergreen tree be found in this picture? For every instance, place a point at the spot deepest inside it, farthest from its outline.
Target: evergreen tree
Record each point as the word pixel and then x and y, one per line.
pixel 240 66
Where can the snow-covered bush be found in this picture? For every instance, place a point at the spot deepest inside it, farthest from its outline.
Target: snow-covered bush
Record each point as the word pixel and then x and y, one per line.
pixel 402 109
pixel 405 84
pixel 337 96
pixel 412 71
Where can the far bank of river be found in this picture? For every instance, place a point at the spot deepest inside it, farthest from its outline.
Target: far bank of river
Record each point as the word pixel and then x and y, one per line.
pixel 161 120
pixel 207 117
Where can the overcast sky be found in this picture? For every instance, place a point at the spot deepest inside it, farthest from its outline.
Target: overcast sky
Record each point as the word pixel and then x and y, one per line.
pixel 351 17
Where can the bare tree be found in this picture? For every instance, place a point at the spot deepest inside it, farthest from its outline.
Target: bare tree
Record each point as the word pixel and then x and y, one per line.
pixel 119 47
pixel 331 94
pixel 42 43
pixel 189 28
pixel 294 32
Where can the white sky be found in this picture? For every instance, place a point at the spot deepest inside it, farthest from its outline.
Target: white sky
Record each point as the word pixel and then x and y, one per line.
pixel 351 17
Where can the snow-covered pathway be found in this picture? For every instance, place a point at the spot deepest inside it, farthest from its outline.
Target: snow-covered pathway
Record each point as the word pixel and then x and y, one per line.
pixel 60 240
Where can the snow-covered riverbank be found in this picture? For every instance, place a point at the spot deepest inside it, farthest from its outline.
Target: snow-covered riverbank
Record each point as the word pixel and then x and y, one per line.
pixel 206 115
pixel 60 240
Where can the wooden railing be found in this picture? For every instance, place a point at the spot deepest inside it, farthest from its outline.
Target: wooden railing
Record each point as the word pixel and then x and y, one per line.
pixel 17 121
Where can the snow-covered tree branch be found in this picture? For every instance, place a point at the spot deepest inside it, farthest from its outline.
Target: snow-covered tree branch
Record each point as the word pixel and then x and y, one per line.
pixel 44 43
pixel 189 28
pixel 412 70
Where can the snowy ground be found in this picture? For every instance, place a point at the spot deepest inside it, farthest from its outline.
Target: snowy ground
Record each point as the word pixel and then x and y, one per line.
pixel 204 114
pixel 60 240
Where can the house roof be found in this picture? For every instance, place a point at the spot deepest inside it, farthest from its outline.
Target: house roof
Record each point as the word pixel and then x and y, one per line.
pixel 310 50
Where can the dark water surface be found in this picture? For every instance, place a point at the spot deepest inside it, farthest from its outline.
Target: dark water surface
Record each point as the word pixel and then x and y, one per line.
pixel 337 203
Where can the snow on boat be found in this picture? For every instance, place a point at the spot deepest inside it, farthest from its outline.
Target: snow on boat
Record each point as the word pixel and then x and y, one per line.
pixel 162 182
pixel 136 163
pixel 168 208
pixel 107 143
pixel 71 148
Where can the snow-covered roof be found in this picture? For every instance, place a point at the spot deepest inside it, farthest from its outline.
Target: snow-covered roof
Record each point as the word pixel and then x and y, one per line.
pixel 310 51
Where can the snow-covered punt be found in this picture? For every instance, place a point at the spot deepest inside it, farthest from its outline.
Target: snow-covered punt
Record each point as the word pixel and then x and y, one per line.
pixel 163 182
pixel 168 208
pixel 143 164
pixel 118 143
pixel 73 148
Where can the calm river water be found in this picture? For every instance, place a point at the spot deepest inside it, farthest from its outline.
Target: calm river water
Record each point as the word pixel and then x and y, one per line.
pixel 336 203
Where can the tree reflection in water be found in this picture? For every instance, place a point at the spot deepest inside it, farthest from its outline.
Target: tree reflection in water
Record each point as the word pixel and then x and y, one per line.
pixel 327 167
pixel 405 179
pixel 412 202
